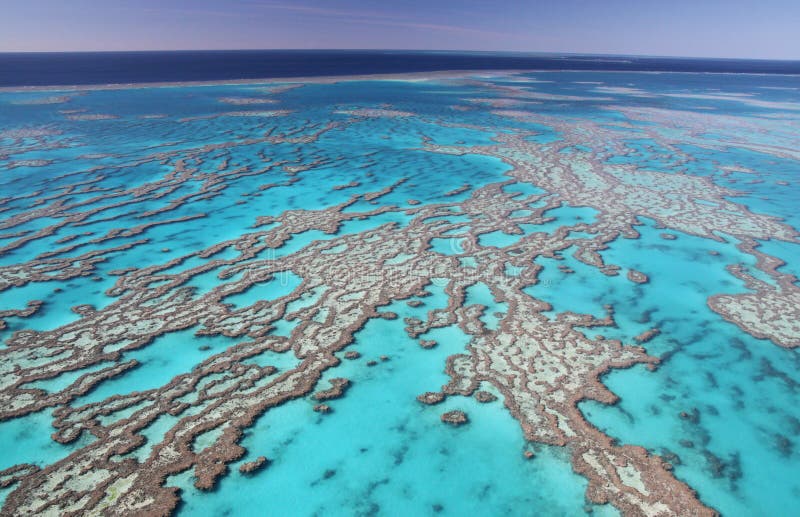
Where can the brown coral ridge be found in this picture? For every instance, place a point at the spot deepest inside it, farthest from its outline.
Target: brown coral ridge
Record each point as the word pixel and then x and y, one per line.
pixel 251 467
pixel 431 397
pixel 32 308
pixel 485 397
pixel 338 387
pixel 647 335
pixel 637 277
pixel 13 474
pixel 771 311
pixel 455 418
pixel 344 186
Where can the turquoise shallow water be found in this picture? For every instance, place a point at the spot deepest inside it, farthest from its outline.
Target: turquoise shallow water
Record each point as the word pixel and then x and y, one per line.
pixel 380 451
pixel 732 454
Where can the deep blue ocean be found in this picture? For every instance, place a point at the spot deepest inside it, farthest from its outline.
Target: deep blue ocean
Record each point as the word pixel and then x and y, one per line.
pixel 76 68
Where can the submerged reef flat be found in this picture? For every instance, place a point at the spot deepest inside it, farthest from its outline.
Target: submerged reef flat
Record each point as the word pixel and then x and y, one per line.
pixel 554 293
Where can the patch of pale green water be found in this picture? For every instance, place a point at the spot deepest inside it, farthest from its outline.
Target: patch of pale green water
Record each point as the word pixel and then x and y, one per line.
pixel 725 404
pixel 168 356
pixel 381 451
pixel 307 299
pixel 207 438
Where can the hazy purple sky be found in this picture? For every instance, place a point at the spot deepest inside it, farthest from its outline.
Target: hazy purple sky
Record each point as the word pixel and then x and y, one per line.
pixel 714 28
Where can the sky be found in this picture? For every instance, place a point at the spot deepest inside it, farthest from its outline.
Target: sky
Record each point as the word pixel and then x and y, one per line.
pixel 767 29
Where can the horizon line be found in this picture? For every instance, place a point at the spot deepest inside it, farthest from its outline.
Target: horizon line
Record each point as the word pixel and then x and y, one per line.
pixel 452 51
